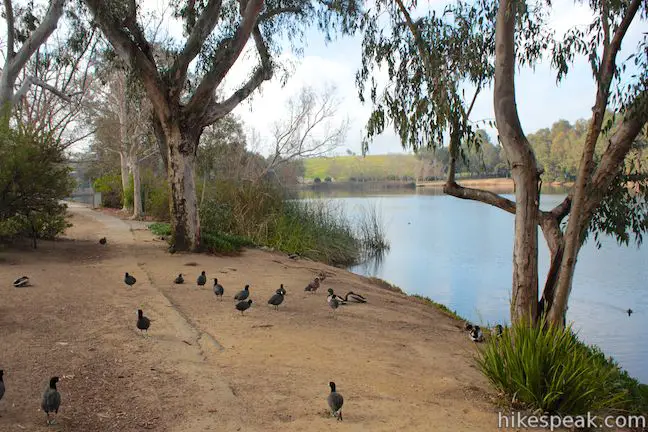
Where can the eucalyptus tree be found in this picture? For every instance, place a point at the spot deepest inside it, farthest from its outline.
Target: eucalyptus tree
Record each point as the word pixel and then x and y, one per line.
pixel 215 34
pixel 432 60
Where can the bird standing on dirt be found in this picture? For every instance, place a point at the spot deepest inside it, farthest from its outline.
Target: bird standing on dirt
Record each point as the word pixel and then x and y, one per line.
pixel 312 286
pixel 202 279
pixel 243 305
pixel 277 298
pixel 129 280
pixel 242 295
pixel 179 279
pixel 467 326
pixel 333 302
pixel 336 297
pixel 335 402
pixel 103 241
pixel 51 399
pixel 476 334
pixel 21 282
pixel 2 384
pixel 218 289
pixel 143 323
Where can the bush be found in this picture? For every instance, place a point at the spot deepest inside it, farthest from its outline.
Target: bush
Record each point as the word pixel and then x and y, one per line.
pixel 33 179
pixel 317 180
pixel 111 190
pixel 547 368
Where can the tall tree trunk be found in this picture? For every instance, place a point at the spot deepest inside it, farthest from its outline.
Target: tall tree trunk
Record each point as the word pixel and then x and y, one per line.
pixel 123 159
pixel 182 145
pixel 137 188
pixel 524 300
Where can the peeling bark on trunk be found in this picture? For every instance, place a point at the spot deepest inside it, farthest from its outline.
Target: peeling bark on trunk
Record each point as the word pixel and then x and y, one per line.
pixel 123 159
pixel 185 220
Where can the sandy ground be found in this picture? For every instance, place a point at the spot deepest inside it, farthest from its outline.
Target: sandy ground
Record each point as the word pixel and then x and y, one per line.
pixel 400 364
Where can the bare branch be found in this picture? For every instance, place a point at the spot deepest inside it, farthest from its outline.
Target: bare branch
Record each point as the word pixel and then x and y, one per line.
pixel 226 55
pixel 201 30
pixel 31 80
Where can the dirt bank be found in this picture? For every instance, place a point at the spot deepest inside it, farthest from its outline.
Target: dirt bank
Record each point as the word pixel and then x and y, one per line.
pixel 400 365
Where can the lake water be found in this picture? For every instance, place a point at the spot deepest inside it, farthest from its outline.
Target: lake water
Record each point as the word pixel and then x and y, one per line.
pixel 459 253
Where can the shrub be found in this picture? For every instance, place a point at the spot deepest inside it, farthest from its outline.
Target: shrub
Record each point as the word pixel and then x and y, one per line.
pixel 33 179
pixel 546 367
pixel 111 190
pixel 317 180
pixel 328 179
pixel 160 228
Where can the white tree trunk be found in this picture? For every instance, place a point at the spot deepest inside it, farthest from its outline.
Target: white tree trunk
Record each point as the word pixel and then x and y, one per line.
pixel 138 212
pixel 123 159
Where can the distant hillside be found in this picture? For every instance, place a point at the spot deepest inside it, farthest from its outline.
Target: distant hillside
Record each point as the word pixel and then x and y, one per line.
pixel 344 168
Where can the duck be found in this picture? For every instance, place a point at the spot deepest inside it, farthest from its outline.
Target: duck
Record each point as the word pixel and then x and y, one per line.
pixel 339 299
pixel 51 399
pixel 476 334
pixel 218 289
pixel 468 326
pixel 179 279
pixel 243 294
pixel 333 301
pixel 103 241
pixel 630 311
pixel 143 323
pixel 312 286
pixel 21 282
pixel 202 279
pixel 335 402
pixel 355 297
pixel 277 298
pixel 499 330
pixel 2 384
pixel 129 279
pixel 243 305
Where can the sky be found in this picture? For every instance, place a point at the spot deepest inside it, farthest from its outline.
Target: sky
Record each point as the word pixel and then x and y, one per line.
pixel 541 101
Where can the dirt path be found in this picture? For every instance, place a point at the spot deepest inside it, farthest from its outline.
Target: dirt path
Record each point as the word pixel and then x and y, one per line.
pixel 400 365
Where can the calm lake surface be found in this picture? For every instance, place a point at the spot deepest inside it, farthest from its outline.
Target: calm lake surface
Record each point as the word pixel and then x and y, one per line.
pixel 459 253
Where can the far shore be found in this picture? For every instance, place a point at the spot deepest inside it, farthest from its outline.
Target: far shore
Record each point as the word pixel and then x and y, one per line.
pixel 498 182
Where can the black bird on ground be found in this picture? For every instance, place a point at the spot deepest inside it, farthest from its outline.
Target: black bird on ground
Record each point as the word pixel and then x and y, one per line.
pixel 476 334
pixel 630 311
pixel 499 330
pixel 51 399
pixel 179 279
pixel 103 240
pixel 2 384
pixel 467 326
pixel 243 305
pixel 277 298
pixel 21 282
pixel 243 294
pixel 202 279
pixel 218 289
pixel 312 286
pixel 335 402
pixel 129 280
pixel 143 323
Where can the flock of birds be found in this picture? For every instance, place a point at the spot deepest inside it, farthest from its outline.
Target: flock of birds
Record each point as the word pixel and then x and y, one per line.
pixel 243 303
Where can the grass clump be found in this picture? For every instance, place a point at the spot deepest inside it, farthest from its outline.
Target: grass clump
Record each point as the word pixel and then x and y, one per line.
pixel 546 367
pixel 371 232
pixel 443 308
pixel 160 228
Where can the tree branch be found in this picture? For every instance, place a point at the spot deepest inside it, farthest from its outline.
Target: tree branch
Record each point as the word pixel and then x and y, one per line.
pixel 216 111
pixel 31 80
pixel 9 18
pixel 200 31
pixel 226 55
pixel 37 38
pixel 133 54
pixel 268 15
